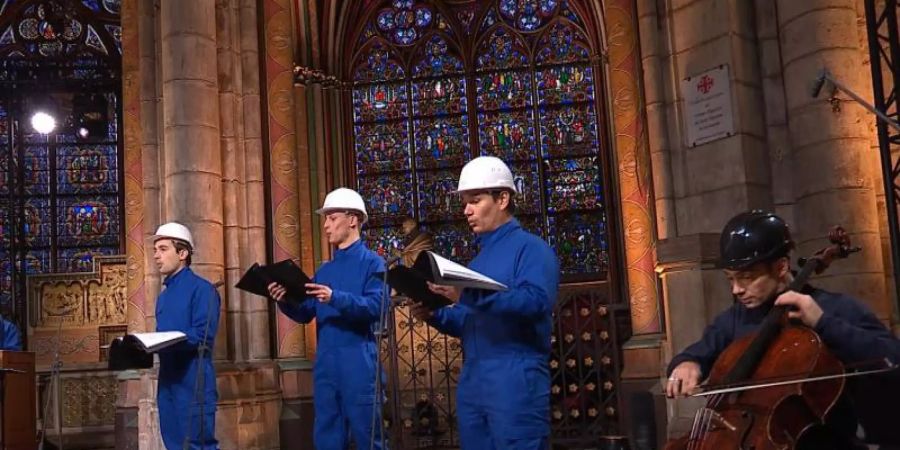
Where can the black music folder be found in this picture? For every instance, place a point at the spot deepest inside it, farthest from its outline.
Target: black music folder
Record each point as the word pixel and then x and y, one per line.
pixel 429 266
pixel 413 284
pixel 135 351
pixel 286 273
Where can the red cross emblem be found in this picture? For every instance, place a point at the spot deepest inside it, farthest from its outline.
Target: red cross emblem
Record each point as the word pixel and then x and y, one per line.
pixel 705 84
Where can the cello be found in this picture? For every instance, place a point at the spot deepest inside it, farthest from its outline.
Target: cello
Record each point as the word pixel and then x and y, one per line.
pixel 768 388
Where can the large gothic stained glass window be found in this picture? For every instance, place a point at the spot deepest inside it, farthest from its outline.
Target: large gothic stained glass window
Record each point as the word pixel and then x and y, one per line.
pixel 60 192
pixel 435 87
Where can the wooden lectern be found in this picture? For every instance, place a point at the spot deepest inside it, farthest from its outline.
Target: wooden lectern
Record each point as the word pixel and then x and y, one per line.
pixel 18 408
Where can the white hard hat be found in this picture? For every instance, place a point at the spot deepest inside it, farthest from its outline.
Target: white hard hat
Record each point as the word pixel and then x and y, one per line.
pixel 485 172
pixel 174 230
pixel 343 199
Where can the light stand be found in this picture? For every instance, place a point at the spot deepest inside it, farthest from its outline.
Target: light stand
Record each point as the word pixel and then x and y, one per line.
pixel 53 386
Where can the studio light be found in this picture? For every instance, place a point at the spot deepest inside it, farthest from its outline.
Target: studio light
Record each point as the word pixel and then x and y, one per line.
pixel 43 123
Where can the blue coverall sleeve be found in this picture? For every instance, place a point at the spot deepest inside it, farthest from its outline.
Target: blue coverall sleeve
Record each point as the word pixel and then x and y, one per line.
pixel 449 319
pixel 855 335
pixel 704 352
pixel 204 309
pixel 363 308
pixel 12 338
pixel 533 289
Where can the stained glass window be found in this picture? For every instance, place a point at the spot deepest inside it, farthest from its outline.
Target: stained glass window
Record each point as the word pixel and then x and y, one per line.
pixel 60 192
pixel 524 91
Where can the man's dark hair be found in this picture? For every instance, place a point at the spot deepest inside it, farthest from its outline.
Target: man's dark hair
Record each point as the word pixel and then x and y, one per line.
pixel 181 245
pixel 511 208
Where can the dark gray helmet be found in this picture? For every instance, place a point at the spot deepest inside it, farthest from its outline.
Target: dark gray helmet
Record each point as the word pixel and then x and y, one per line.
pixel 753 237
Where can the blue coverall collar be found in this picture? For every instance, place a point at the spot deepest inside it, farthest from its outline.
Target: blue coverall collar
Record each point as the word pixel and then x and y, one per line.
pixel 346 251
pixel 490 237
pixel 175 276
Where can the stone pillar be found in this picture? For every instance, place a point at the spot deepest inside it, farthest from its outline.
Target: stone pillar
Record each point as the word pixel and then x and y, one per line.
pixel 834 179
pixel 256 310
pixel 233 199
pixel 192 163
pixel 687 269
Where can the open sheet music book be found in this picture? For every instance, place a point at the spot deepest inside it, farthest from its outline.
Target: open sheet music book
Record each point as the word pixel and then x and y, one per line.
pixel 450 273
pixel 135 351
pixel 154 342
pixel 431 267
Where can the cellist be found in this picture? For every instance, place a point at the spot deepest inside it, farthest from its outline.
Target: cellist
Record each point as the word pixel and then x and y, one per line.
pixel 755 249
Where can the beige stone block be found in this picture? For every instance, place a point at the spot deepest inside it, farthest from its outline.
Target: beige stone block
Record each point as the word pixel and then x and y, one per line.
pixel 766 25
pixel 770 58
pixel 837 164
pixel 774 101
pixel 745 60
pixel 749 113
pixel 253 162
pixel 191 102
pixel 708 212
pixel 192 149
pixel 148 123
pixel 649 36
pixel 800 75
pixel 250 72
pixel 694 297
pixel 197 16
pixel 677 164
pixel 854 209
pixel 703 57
pixel 232 162
pixel 819 30
pixel 820 126
pixel 657 132
pixel 653 76
pixel 645 8
pixel 866 288
pixel 228 114
pixel 782 165
pixel 189 57
pixel 255 196
pixel 225 73
pixel 791 10
pixel 698 22
pixel 736 160
pixel 686 310
pixel 660 175
pixel 199 205
pixel 250 113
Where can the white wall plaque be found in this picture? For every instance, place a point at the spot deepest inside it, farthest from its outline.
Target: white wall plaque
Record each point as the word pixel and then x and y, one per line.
pixel 708 114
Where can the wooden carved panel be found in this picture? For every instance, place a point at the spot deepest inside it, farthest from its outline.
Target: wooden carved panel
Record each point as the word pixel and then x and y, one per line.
pixel 86 310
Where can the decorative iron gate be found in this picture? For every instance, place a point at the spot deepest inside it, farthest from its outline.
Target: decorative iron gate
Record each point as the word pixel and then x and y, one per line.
pixel 585 367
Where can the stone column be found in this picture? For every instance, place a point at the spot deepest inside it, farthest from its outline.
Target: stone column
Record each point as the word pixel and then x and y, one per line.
pixel 255 309
pixel 234 198
pixel 192 163
pixel 834 179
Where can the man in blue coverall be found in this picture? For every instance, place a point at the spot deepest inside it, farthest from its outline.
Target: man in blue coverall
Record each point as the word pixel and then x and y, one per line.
pixel 11 339
pixel 503 394
pixel 754 250
pixel 345 299
pixel 187 383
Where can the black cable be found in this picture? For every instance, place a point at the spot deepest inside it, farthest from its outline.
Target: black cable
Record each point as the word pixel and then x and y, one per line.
pixel 199 381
